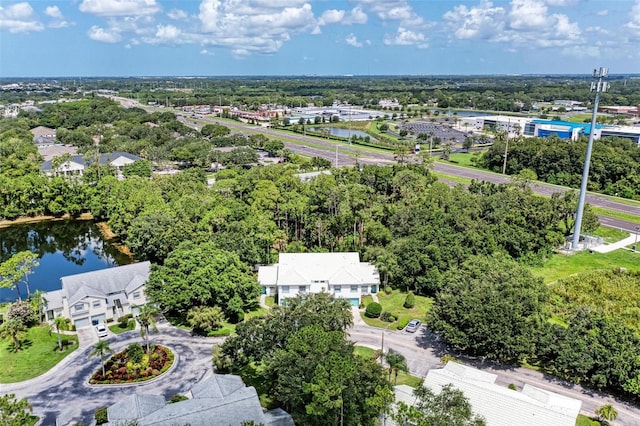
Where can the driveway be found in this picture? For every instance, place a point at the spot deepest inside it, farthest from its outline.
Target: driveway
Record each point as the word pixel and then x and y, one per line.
pixel 87 336
pixel 65 387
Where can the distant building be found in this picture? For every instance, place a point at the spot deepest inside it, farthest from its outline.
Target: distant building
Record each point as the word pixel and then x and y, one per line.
pixel 499 405
pixel 219 400
pixel 95 297
pixel 340 274
pixel 76 164
pixel 43 136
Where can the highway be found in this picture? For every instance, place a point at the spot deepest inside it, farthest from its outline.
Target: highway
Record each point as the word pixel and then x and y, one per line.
pixel 317 147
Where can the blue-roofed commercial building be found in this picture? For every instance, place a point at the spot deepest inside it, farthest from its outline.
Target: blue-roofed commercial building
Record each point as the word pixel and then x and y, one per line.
pixel 535 127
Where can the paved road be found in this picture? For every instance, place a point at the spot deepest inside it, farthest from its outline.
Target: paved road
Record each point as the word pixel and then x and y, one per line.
pixel 346 156
pixel 423 350
pixel 65 388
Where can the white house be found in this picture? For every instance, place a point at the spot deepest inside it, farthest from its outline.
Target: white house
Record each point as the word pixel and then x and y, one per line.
pixel 94 297
pixel 75 165
pixel 499 405
pixel 341 274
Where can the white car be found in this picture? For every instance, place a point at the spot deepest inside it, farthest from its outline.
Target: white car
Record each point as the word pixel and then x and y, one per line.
pixel 413 325
pixel 101 329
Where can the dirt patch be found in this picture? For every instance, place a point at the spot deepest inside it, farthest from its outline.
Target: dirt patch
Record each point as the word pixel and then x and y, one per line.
pixel 37 219
pixel 111 237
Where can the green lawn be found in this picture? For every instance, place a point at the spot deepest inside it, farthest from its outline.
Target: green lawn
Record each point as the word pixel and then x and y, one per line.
pixel 560 266
pixel 364 351
pixel 463 158
pixel 38 354
pixel 616 215
pixel 406 379
pixel 610 235
pixel 116 329
pixel 394 303
pixel 583 420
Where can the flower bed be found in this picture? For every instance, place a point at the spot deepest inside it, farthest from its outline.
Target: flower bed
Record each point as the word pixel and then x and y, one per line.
pixel 134 365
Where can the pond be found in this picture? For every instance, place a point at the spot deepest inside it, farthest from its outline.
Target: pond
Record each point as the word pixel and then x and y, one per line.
pixel 64 247
pixel 341 133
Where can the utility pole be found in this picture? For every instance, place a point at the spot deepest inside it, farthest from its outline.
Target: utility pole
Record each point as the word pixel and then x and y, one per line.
pixel 506 149
pixel 599 85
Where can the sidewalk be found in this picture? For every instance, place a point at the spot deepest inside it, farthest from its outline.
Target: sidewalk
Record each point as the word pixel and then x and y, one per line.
pixel 607 248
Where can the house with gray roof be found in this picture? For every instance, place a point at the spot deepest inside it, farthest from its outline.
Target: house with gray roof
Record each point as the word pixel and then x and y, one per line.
pixel 95 297
pixel 341 274
pixel 221 399
pixel 499 405
pixel 43 136
pixel 75 165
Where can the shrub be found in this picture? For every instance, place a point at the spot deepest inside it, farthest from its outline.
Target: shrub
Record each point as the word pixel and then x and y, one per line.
pixel 386 316
pixel 124 323
pixel 410 300
pixel 388 290
pixel 402 323
pixel 512 386
pixel 23 312
pixel 101 416
pixel 446 358
pixel 177 398
pixel 220 332
pixel 374 309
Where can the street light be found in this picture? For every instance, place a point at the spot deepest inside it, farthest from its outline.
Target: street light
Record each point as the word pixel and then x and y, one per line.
pixel 599 86
pixel 635 243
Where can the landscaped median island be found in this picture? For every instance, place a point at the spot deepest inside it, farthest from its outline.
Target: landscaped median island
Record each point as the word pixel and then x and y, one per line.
pixel 134 364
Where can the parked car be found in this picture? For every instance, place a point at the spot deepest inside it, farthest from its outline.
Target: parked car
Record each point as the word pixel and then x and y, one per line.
pixel 413 325
pixel 101 329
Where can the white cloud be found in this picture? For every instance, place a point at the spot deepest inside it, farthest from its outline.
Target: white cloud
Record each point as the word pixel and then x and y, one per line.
pixel 18 18
pixel 357 16
pixel 604 12
pixel 206 52
pixel 120 7
pixel 177 14
pixel 634 13
pixel 406 37
pixel 528 14
pixel 395 10
pixel 53 11
pixel 352 40
pixel 331 16
pixel 104 35
pixel 562 2
pixel 481 22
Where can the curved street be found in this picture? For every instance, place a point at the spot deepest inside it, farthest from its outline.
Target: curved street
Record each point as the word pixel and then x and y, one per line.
pixel 65 389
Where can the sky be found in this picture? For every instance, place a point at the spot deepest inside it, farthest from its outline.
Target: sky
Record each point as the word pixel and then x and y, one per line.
pixel 48 38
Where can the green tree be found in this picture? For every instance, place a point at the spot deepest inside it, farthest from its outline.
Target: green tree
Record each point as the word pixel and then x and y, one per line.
pixel 448 408
pixel 490 306
pixel 607 413
pixel 13 329
pixel 14 412
pixel 101 349
pixel 397 363
pixel 147 319
pixel 138 168
pixel 17 269
pixel 60 324
pixel 204 319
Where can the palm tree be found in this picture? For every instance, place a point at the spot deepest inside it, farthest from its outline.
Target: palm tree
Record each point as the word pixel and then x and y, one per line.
pixel 59 324
pixel 146 319
pixel 607 413
pixel 13 329
pixel 101 349
pixel 397 363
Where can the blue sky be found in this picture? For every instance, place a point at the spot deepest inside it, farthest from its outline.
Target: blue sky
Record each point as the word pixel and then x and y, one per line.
pixel 321 37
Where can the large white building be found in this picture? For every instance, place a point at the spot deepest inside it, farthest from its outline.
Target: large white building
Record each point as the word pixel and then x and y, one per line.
pixel 340 274
pixel 95 297
pixel 499 405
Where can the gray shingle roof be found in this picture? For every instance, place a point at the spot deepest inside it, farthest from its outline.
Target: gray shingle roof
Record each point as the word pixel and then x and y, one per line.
pixel 105 282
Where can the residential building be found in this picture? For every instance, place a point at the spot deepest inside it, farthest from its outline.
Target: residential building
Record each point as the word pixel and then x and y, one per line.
pixel 96 297
pixel 76 164
pixel 340 274
pixel 499 405
pixel 219 400
pixel 43 136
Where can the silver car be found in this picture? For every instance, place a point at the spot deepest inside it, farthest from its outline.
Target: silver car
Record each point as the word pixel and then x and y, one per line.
pixel 413 325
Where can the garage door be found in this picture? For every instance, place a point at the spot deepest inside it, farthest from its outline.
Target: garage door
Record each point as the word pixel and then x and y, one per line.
pixel 82 322
pixel 355 302
pixel 97 319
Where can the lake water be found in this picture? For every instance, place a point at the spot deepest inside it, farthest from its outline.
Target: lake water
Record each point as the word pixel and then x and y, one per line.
pixel 64 247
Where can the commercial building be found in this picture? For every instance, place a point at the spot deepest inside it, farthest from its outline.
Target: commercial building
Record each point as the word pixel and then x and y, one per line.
pixel 340 274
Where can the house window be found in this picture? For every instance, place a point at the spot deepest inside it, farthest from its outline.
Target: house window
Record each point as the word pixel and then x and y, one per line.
pixel 302 288
pixel 136 295
pixel 97 303
pixel 354 289
pixel 79 307
pixel 285 289
pixel 337 288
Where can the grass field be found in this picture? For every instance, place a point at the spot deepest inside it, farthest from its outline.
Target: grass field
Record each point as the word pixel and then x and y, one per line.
pixel 463 158
pixel 393 303
pixel 559 266
pixel 38 354
pixel 583 420
pixel 402 379
pixel 610 235
pixel 116 329
pixel 616 215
